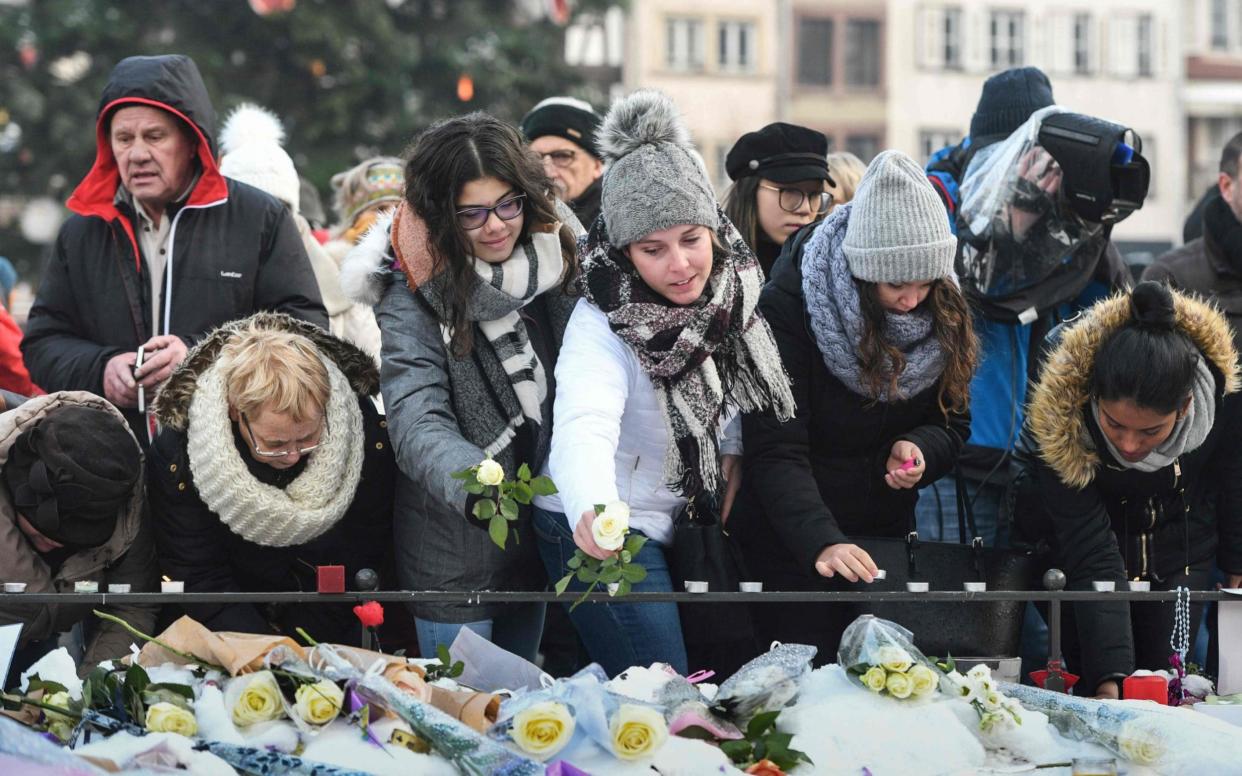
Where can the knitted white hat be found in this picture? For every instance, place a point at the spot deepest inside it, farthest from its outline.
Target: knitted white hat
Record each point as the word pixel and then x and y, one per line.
pixel 898 230
pixel 251 143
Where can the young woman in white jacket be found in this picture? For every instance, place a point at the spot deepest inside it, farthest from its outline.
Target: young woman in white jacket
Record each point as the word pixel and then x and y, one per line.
pixel 664 346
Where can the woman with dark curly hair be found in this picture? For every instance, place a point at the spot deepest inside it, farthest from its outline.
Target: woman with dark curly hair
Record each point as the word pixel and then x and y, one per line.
pixel 878 342
pixel 469 281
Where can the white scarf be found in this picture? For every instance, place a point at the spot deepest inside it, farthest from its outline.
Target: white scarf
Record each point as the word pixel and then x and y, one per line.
pixel 261 513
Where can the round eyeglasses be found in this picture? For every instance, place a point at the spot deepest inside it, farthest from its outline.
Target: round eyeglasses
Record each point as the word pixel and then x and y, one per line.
pixel 792 200
pixel 562 157
pixel 474 217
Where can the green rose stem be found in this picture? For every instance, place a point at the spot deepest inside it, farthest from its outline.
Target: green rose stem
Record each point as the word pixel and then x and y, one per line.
pixel 24 701
pixel 306 636
pixel 145 637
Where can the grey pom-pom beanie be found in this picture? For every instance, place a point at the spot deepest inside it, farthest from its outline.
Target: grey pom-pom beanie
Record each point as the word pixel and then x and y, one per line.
pixel 898 230
pixel 655 179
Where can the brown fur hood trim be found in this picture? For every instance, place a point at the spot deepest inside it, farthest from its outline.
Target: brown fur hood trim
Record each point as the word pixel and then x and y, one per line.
pixel 172 403
pixel 1056 413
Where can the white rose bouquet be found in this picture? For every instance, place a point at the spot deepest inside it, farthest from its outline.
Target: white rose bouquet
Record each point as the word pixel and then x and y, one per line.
pixel 501 498
pixel 978 688
pixel 881 656
pixel 611 531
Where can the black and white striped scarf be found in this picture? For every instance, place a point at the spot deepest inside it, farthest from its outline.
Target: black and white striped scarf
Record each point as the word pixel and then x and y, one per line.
pixel 699 356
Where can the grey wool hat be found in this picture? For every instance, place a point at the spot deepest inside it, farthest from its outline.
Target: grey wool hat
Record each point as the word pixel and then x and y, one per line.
pixel 655 179
pixel 898 231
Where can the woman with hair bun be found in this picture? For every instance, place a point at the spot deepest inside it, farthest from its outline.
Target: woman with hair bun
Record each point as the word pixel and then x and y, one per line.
pixel 1130 469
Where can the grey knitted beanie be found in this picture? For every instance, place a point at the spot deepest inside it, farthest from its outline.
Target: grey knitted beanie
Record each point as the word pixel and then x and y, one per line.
pixel 898 230
pixel 655 179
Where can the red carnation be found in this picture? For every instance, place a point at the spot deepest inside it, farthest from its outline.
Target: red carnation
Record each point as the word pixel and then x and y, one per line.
pixel 370 614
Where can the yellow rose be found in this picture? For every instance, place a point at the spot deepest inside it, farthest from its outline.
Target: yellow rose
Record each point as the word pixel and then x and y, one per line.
pixel 319 703
pixel 543 729
pixel 1143 747
pixel 894 659
pixel 259 702
pixel 898 685
pixel 924 680
pixel 167 717
pixel 490 473
pixel 60 700
pixel 637 732
pixel 610 526
pixel 875 679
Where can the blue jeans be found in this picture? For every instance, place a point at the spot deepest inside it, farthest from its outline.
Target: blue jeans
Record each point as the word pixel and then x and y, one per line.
pixel 617 635
pixel 936 511
pixel 517 630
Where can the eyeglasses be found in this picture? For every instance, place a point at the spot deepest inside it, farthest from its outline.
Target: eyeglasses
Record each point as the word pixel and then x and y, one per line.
pixel 475 217
pixel 561 158
pixel 283 453
pixel 792 200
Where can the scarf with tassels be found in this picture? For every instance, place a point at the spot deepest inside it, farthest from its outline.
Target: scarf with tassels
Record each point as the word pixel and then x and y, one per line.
pixel 698 356
pixel 535 266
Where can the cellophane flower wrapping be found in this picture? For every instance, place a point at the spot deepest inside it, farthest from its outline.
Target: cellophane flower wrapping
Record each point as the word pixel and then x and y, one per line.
pixel 880 655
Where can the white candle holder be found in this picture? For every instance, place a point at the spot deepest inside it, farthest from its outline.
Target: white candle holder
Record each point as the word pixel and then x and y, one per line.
pixel 119 587
pixel 169 586
pixel 917 587
pixel 1140 586
pixel 85 586
pixel 1103 585
pixel 14 587
pixel 750 587
pixel 975 587
pixel 695 586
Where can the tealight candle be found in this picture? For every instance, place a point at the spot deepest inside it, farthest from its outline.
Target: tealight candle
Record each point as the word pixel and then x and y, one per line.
pixel 975 587
pixel 1140 586
pixel 695 586
pixel 85 586
pixel 1104 585
pixel 169 586
pixel 117 587
pixel 750 587
pixel 917 587
pixel 14 587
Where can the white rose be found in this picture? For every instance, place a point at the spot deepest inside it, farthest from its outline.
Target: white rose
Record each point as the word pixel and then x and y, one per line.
pixel 319 703
pixel 259 701
pixel 610 526
pixel 167 717
pixel 899 685
pixel 875 679
pixel 490 473
pixel 924 680
pixel 894 658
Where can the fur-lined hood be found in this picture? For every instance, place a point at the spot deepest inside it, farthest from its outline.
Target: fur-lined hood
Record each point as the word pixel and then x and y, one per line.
pixel 366 270
pixel 1055 414
pixel 172 403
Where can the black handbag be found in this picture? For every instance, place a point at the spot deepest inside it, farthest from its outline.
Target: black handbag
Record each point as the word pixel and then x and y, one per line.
pixel 717 636
pixel 983 629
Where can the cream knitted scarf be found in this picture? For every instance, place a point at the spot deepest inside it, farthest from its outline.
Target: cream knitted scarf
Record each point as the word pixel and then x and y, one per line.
pixel 264 514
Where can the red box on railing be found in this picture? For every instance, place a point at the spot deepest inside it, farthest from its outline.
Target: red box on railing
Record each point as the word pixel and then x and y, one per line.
pixel 1146 688
pixel 331 579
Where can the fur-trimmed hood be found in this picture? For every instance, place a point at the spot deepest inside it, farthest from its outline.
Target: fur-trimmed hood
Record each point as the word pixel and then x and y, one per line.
pixel 366 270
pixel 172 403
pixel 1056 414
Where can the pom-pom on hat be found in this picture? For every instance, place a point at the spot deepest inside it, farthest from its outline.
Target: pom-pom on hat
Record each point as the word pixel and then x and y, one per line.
pixel 655 178
pixel 251 144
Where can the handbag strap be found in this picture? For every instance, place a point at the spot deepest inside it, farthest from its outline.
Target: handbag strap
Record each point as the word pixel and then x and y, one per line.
pixel 966 519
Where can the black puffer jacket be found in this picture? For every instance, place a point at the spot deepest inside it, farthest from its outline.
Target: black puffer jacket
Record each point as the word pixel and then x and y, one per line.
pixel 818 479
pixel 197 547
pixel 1105 522
pixel 233 251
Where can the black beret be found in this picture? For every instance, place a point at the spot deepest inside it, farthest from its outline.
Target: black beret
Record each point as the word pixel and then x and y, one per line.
pixel 780 152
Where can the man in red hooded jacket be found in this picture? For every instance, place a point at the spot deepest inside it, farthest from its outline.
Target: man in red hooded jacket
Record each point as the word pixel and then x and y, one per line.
pixel 162 248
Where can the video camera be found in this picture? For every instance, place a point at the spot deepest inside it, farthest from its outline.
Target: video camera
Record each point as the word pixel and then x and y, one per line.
pixel 1105 174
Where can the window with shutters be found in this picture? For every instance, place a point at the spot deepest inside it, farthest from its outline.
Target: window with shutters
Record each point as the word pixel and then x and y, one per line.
pixel 736 47
pixel 952 40
pixel 1082 44
pixel 1146 46
pixel 815 51
pixel 1007 31
pixel 862 52
pixel 932 140
pixel 684 44
pixel 865 147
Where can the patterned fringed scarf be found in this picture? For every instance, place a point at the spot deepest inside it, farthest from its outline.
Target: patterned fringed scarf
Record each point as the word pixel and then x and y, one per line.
pixel 698 356
pixel 535 267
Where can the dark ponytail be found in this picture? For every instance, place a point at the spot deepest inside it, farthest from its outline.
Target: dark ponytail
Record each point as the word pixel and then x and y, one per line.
pixel 1148 360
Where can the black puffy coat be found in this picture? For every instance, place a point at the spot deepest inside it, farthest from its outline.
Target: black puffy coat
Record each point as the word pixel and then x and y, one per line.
pixel 234 250
pixel 195 546
pixel 818 479
pixel 1102 521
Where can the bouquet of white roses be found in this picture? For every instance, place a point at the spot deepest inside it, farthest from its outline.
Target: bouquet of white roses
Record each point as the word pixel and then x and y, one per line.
pixel 611 531
pixel 978 688
pixel 501 498
pixel 881 656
